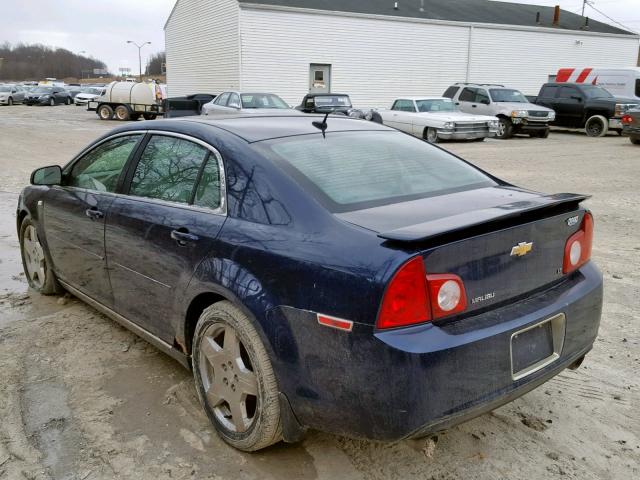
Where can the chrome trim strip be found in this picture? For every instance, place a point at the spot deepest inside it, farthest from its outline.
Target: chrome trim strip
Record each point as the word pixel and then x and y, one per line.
pixel 143 276
pixel 222 210
pixel 558 327
pixel 129 325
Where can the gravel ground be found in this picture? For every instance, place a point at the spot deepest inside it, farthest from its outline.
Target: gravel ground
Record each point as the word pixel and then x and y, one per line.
pixel 81 398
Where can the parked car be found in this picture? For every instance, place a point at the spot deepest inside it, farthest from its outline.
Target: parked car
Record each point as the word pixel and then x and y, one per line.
pixel 87 94
pixel 436 118
pixel 73 90
pixel 585 106
pixel 234 102
pixel 338 275
pixel 623 82
pixel 47 96
pixel 186 106
pixel 631 125
pixel 10 94
pixel 515 113
pixel 129 101
pixel 334 103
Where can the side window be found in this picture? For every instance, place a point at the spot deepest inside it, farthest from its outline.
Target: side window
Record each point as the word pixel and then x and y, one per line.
pixel 549 91
pixel 482 96
pixel 101 167
pixel 467 95
pixel 404 106
pixel 222 99
pixel 568 92
pixel 309 103
pixel 234 101
pixel 638 87
pixel 208 189
pixel 168 169
pixel 451 92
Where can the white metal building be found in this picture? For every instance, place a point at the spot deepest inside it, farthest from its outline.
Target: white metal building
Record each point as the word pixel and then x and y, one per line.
pixel 376 50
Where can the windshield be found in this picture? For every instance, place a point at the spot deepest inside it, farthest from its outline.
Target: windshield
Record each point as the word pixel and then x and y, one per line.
pixel 436 105
pixel 4 88
pixel 333 101
pixel 262 100
pixel 591 91
pixel 91 90
pixel 355 170
pixel 507 95
pixel 43 90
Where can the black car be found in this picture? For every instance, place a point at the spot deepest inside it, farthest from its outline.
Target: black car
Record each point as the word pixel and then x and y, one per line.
pixel 335 103
pixel 631 122
pixel 579 105
pixel 48 96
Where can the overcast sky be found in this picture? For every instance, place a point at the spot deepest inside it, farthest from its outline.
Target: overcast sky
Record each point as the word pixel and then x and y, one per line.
pixel 102 27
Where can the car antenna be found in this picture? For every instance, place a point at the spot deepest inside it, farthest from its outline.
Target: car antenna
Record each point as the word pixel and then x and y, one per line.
pixel 322 125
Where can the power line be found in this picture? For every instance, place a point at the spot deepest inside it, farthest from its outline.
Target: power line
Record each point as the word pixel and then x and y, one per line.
pixel 607 16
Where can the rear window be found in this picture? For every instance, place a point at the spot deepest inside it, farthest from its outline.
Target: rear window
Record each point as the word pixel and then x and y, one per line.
pixel 355 170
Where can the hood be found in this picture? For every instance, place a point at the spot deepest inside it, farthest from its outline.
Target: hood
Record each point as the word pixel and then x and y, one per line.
pixel 88 96
pixel 523 106
pixel 457 117
pixel 634 101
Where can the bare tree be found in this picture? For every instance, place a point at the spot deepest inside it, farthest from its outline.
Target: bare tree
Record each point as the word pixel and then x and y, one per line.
pixel 155 65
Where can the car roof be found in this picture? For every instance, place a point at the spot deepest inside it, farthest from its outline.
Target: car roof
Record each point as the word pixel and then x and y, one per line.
pixel 256 128
pixel 327 95
pixel 425 97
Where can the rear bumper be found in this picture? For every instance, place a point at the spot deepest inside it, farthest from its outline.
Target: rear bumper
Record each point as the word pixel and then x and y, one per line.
pixel 629 130
pixel 410 382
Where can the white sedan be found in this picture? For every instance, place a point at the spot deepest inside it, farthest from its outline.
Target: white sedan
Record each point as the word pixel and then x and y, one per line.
pixel 436 118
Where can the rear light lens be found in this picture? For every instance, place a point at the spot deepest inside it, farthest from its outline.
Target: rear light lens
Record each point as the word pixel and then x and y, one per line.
pixel 447 295
pixel 577 250
pixel 414 297
pixel 627 119
pixel 406 301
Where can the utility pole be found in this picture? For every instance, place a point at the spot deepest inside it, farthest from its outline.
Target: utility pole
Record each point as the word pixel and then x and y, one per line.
pixel 584 4
pixel 139 56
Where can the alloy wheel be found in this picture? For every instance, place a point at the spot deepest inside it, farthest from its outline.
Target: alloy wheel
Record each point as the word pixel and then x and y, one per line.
pixel 34 259
pixel 229 381
pixel 595 128
pixel 501 129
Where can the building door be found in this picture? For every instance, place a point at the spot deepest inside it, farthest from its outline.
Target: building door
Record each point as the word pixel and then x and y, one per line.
pixel 319 78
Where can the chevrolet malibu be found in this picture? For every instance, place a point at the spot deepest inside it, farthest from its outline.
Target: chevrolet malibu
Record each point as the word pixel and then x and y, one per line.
pixel 316 272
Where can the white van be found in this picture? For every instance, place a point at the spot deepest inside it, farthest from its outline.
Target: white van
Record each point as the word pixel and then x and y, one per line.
pixel 620 82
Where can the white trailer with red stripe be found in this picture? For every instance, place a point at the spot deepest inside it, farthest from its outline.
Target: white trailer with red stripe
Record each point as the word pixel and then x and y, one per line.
pixel 621 82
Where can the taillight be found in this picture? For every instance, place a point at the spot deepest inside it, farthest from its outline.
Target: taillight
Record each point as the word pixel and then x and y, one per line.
pixel 577 250
pixel 414 297
pixel 627 119
pixel 406 300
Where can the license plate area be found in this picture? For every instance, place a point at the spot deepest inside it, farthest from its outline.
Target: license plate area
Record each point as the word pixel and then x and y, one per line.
pixel 537 346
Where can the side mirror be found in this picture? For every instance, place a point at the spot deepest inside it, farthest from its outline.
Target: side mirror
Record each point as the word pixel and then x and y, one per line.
pixel 47 176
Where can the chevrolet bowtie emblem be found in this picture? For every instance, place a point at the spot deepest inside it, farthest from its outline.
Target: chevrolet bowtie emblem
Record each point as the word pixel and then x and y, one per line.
pixel 521 249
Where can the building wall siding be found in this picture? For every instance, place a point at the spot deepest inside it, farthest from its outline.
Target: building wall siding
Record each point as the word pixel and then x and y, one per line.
pixel 525 59
pixel 372 60
pixel 202 42
pixel 376 60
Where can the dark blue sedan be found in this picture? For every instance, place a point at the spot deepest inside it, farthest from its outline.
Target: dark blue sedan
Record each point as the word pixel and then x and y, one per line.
pixel 336 275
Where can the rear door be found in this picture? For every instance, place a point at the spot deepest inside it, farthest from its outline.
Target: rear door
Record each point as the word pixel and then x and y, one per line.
pixel 75 212
pixel 158 233
pixel 467 99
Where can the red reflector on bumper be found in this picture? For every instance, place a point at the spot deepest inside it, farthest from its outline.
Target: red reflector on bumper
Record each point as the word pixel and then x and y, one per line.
pixel 333 322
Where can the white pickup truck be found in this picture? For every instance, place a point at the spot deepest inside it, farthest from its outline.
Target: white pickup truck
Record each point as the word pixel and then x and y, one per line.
pixel 437 118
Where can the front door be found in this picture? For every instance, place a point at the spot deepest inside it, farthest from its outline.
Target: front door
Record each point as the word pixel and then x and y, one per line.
pixel 569 107
pixel 74 215
pixel 467 99
pixel 319 78
pixel 158 233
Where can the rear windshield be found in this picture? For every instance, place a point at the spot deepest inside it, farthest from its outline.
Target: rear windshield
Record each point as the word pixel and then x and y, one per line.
pixel 355 170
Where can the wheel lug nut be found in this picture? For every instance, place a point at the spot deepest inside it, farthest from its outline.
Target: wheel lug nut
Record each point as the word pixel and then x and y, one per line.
pixel 224 367
pixel 233 387
pixel 225 381
pixel 235 378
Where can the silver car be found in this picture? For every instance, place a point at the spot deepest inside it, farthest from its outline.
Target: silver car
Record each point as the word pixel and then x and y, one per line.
pixel 237 102
pixel 10 94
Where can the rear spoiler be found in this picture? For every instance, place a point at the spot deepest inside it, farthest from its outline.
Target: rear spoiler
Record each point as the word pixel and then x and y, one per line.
pixel 465 221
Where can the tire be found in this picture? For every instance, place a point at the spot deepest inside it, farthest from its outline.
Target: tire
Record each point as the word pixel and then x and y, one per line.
pixel 122 113
pixel 431 135
pixel 257 420
pixel 105 112
pixel 35 261
pixel 67 101
pixel 10 101
pixel 505 128
pixel 635 139
pixel 596 126
pixel 52 102
pixel 544 133
pixel 149 116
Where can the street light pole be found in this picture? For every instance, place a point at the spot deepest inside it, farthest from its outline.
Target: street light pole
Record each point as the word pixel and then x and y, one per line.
pixel 139 55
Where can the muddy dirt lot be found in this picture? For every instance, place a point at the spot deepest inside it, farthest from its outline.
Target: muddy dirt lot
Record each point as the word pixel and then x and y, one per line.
pixel 83 399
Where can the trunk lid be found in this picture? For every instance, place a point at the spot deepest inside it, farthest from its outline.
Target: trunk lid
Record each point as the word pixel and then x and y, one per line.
pixel 503 242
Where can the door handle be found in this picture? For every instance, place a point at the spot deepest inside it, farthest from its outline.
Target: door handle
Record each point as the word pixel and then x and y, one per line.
pixel 474 106
pixel 183 237
pixel 457 103
pixel 93 213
